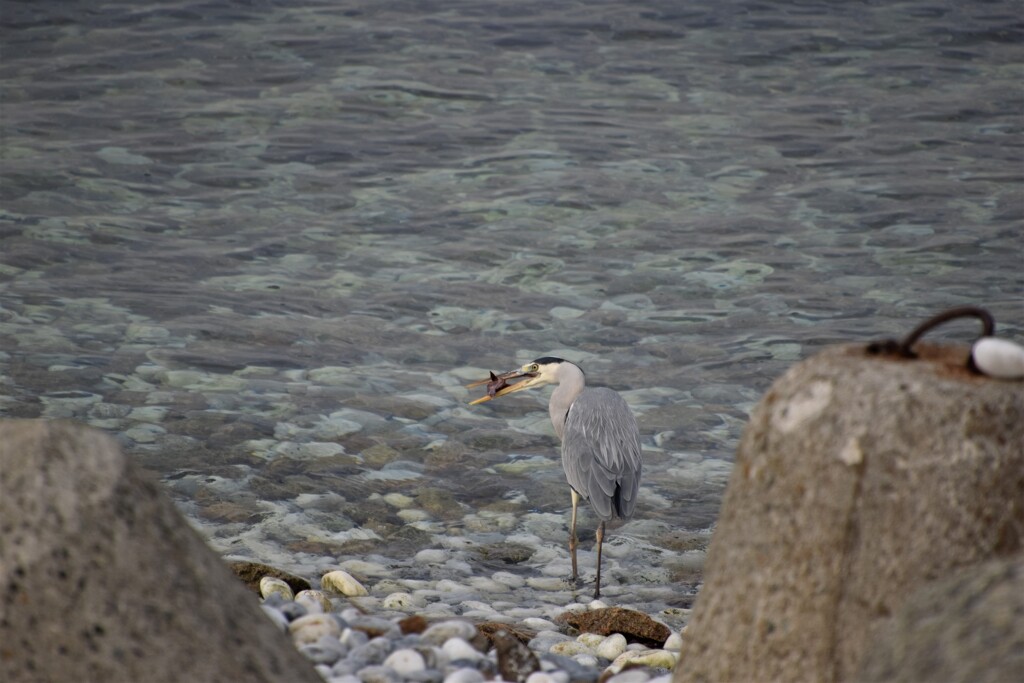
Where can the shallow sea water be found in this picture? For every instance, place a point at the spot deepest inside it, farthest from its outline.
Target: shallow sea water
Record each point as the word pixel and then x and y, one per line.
pixel 265 244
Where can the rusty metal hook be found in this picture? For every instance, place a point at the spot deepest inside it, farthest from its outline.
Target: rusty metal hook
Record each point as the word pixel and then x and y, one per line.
pixel 905 348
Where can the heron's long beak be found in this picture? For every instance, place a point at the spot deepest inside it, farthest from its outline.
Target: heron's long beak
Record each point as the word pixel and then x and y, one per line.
pixel 508 389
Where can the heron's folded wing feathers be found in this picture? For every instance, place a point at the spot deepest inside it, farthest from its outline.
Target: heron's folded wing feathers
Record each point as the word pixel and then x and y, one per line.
pixel 601 451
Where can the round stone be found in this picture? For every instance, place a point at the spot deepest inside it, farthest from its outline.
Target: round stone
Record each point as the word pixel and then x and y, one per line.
pixel 569 648
pixel 442 631
pixel 270 585
pixel 314 601
pixel 464 676
pixel 611 647
pixel 674 643
pixel 405 661
pixel 400 601
pixel 312 627
pixel 457 648
pixel 340 581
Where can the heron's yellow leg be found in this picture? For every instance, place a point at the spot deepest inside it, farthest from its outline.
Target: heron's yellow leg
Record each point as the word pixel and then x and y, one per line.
pixel 600 540
pixel 572 532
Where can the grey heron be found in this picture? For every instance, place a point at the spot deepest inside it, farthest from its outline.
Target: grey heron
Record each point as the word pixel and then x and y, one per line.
pixel 600 441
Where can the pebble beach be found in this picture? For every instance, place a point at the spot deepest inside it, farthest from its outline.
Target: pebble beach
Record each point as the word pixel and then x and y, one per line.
pixel 444 631
pixel 266 246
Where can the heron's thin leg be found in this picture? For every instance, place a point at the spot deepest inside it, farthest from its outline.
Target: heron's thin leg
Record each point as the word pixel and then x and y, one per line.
pixel 572 533
pixel 600 540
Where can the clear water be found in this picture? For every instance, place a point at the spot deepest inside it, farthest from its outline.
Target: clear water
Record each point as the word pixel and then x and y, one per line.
pixel 265 244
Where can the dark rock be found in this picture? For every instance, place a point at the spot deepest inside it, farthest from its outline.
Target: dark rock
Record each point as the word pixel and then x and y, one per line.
pixel 637 627
pixel 515 661
pixel 488 628
pixel 858 478
pixel 101 579
pixel 251 572
pixel 966 628
pixel 413 624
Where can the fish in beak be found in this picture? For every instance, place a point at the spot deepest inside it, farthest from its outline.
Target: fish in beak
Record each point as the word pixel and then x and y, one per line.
pixel 498 385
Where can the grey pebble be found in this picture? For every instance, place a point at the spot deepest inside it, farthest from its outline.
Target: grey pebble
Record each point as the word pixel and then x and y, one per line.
pixel 377 625
pixel 373 652
pixel 378 674
pixel 276 616
pixel 293 610
pixel 576 672
pixel 327 651
pixel 425 676
pixel 464 676
pixel 630 676
pixel 353 638
pixel 345 678
pixel 443 631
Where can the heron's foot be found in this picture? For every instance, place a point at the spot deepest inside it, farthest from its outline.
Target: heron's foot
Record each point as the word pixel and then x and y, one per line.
pixel 575 582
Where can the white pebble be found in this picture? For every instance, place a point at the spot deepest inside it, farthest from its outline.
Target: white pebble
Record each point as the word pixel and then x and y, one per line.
pixel 398 500
pixel 270 585
pixel 314 601
pixel 342 582
pixel 431 556
pixel 402 601
pixel 674 643
pixel 540 677
pixel 589 661
pixel 999 358
pixel 437 634
pixel 597 604
pixel 486 585
pixel 312 627
pixel 546 583
pixel 631 676
pixel 537 624
pixel 449 586
pixel 413 515
pixel 612 646
pixel 569 648
pixel 464 676
pixel 364 568
pixel 652 658
pixel 457 648
pixel 405 661
pixel 476 606
pixel 590 639
pixel 509 579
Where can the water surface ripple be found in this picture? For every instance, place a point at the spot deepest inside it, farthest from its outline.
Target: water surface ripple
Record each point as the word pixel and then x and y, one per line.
pixel 266 243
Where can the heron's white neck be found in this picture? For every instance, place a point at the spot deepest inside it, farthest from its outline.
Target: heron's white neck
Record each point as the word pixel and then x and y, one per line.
pixel 571 382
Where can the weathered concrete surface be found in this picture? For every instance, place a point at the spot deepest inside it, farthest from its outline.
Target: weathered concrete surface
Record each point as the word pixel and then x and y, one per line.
pixel 857 479
pixel 102 580
pixel 966 628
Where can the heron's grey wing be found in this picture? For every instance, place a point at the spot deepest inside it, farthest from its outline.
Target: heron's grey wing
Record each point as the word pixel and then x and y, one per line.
pixel 601 452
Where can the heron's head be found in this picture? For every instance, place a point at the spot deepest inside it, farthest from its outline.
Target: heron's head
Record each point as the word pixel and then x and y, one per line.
pixel 536 373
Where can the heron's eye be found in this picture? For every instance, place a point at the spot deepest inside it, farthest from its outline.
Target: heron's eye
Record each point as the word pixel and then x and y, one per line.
pixel 532 367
